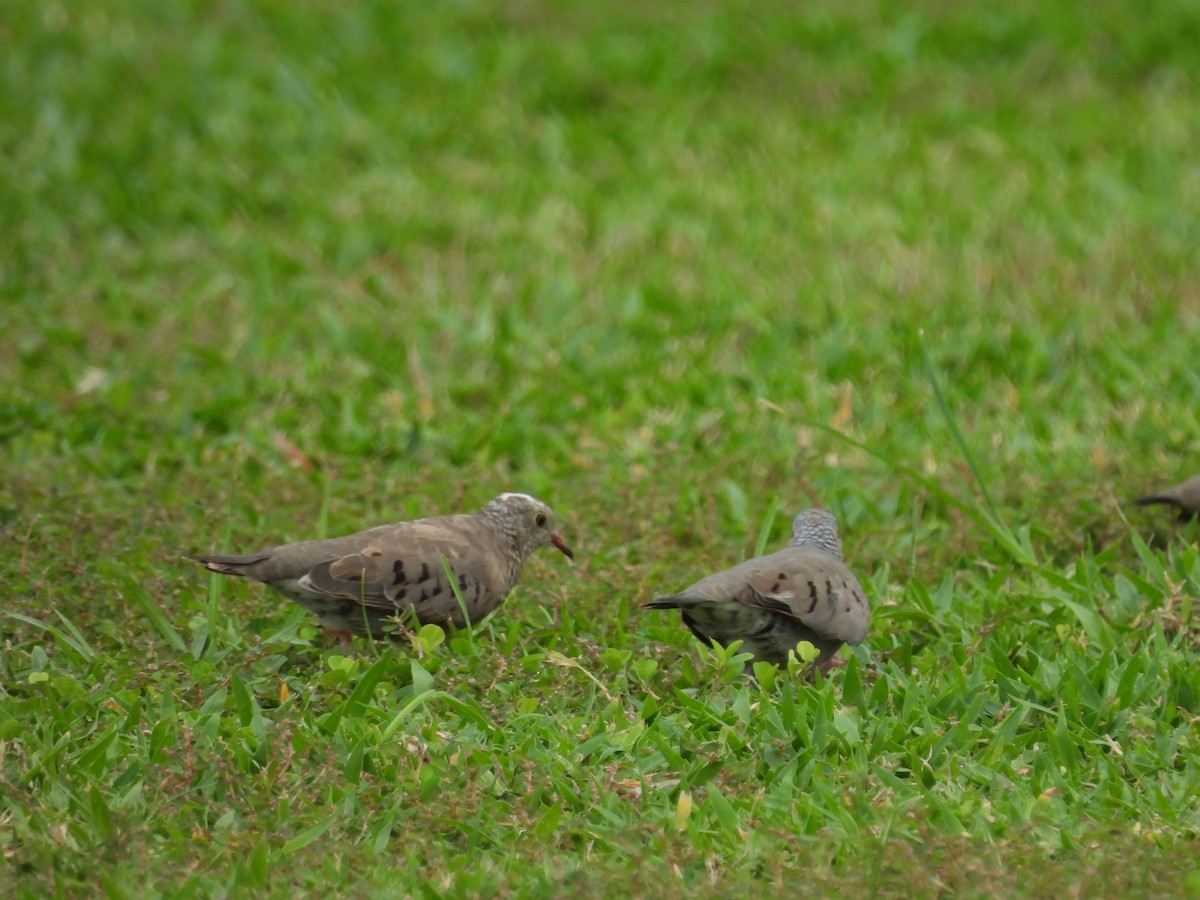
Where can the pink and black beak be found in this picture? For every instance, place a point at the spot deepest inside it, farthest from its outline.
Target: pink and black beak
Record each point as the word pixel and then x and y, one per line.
pixel 562 545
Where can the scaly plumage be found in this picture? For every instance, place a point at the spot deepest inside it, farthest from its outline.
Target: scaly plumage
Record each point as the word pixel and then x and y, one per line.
pixel 802 593
pixel 357 583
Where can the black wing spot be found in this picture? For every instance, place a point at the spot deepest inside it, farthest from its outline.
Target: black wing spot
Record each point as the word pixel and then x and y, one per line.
pixel 829 592
pixel 462 582
pixel 775 588
pixel 783 576
pixel 437 590
pixel 400 595
pixel 812 595
pixel 398 571
pixel 425 574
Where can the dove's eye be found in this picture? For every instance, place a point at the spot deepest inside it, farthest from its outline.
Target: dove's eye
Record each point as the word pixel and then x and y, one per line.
pixel 540 520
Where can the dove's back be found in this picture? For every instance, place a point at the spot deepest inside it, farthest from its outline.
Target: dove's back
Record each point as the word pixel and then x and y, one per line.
pixel 772 602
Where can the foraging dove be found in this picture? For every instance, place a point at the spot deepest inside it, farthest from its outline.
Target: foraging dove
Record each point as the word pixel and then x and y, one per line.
pixel 357 583
pixel 1185 497
pixel 803 593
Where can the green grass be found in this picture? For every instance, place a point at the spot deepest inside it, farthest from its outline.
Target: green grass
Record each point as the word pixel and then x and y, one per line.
pixel 274 270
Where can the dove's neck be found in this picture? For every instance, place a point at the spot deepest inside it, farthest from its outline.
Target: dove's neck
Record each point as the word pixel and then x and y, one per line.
pixel 822 539
pixel 513 549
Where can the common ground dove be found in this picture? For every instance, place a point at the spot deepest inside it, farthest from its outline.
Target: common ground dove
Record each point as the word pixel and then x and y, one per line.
pixel 803 593
pixel 1185 497
pixel 357 583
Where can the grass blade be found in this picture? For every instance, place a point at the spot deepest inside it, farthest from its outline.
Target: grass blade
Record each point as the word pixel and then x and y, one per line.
pixel 764 532
pixel 151 611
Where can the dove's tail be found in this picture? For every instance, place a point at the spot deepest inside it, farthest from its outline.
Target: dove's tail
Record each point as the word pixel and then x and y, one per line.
pixel 229 565
pixel 675 601
pixel 1186 513
pixel 1155 498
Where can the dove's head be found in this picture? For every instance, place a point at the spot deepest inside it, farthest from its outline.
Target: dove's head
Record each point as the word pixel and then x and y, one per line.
pixel 816 528
pixel 528 521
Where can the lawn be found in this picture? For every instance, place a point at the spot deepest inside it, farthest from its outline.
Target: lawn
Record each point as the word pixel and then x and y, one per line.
pixel 278 270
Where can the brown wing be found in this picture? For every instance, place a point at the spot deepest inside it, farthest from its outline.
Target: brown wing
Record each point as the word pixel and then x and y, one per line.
pixel 291 561
pixel 803 583
pixel 815 589
pixel 407 568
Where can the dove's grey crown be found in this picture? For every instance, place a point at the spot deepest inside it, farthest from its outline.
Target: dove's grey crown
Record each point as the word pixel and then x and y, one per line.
pixel 816 528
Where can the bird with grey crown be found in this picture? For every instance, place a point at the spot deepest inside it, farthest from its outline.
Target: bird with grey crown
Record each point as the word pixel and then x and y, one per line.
pixel 355 584
pixel 770 603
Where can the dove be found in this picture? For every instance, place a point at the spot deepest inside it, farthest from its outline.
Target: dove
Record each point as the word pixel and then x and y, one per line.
pixel 355 584
pixel 802 593
pixel 1185 497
